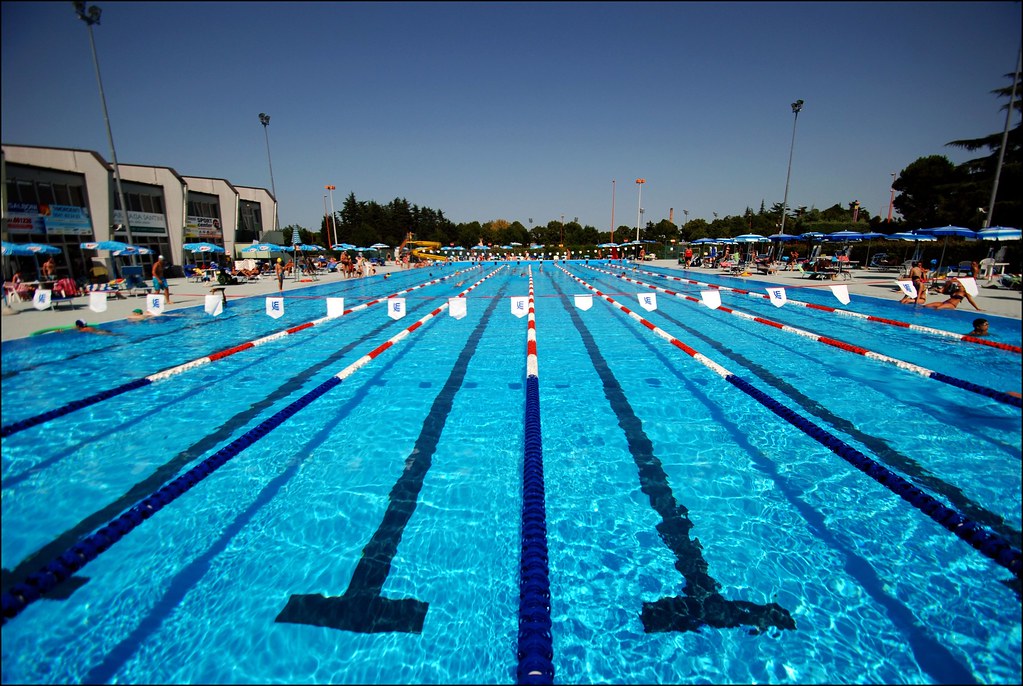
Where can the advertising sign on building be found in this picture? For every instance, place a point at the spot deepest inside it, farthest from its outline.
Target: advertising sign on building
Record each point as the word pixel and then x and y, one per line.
pixel 143 222
pixel 202 227
pixel 24 218
pixel 66 219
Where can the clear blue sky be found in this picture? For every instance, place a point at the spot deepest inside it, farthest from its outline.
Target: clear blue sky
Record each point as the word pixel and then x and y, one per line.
pixel 518 110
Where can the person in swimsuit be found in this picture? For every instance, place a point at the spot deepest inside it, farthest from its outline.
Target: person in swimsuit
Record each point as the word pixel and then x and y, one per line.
pixel 955 291
pixel 918 275
pixel 980 327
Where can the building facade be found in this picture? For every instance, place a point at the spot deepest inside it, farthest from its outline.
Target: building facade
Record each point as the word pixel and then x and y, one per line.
pixel 65 197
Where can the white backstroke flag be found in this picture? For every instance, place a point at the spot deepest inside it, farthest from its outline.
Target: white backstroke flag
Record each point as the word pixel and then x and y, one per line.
pixel 275 307
pixel 335 307
pixel 41 300
pixel 841 292
pixel 98 302
pixel 648 301
pixel 908 288
pixel 456 307
pixel 155 303
pixel 396 308
pixel 214 304
pixel 584 302
pixel 711 299
pixel 777 295
pixel 520 306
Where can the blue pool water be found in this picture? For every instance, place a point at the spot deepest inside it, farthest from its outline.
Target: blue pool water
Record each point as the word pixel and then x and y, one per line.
pixel 404 484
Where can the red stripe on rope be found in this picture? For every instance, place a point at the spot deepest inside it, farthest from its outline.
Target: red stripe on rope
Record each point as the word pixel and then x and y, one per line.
pixel 230 351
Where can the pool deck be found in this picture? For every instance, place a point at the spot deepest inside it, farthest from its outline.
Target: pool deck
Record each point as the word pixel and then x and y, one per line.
pixel 22 319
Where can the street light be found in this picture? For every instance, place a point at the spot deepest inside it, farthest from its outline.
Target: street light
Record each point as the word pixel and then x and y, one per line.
pixel 333 221
pixel 612 210
pixel 891 202
pixel 91 16
pixel 264 119
pixel 796 106
pixel 639 214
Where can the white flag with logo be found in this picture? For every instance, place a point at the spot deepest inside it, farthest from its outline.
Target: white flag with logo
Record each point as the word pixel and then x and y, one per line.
pixel 214 304
pixel 98 302
pixel 41 300
pixel 275 307
pixel 970 284
pixel 908 288
pixel 155 303
pixel 335 307
pixel 584 302
pixel 456 307
pixel 396 308
pixel 842 293
pixel 777 295
pixel 520 306
pixel 711 299
pixel 648 301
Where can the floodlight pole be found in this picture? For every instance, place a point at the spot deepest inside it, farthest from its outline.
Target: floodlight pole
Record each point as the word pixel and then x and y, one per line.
pixel 333 221
pixel 796 106
pixel 639 212
pixel 1005 140
pixel 91 16
pixel 264 119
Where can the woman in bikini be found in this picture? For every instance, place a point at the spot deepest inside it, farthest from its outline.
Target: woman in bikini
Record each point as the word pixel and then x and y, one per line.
pixel 955 292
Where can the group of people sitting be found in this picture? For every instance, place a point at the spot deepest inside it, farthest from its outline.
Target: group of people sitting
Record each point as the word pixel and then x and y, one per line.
pixel 953 288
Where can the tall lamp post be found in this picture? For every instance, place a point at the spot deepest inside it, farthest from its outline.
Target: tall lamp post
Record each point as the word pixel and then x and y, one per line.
pixel 333 221
pixel 796 106
pixel 639 213
pixel 264 119
pixel 891 201
pixel 613 211
pixel 91 16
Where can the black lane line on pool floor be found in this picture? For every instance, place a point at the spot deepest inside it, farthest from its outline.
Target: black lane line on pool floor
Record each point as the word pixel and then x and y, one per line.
pixel 164 473
pixel 932 656
pixel 362 608
pixel 880 447
pixel 181 583
pixel 702 603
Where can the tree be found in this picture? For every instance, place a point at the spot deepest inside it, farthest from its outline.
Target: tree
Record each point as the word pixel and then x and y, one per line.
pixel 980 172
pixel 927 193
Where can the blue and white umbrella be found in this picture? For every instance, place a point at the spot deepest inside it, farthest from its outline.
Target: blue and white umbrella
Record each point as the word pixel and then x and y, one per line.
pixel 844 236
pixel 751 238
pixel 30 249
pixel 999 233
pixel 105 245
pixel 917 237
pixel 132 250
pixel 342 246
pixel 947 231
pixel 202 247
pixel 263 247
pixel 784 237
pixel 379 246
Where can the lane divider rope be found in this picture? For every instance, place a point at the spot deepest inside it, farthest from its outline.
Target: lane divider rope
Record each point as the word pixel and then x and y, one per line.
pixel 21 595
pixel 846 313
pixel 535 648
pixel 1000 396
pixel 989 543
pixel 68 408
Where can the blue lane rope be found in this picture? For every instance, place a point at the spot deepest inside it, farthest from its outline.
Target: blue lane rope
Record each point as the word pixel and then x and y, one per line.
pixel 536 650
pixel 21 595
pixel 987 542
pixel 15 427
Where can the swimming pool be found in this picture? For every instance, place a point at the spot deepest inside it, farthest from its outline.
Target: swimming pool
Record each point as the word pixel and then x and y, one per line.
pixel 402 484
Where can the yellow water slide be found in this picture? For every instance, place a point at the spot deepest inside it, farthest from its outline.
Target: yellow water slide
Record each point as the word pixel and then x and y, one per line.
pixel 418 251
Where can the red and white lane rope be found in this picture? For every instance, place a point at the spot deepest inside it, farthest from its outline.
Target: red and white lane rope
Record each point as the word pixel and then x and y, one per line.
pixel 989 543
pixel 1000 396
pixel 67 408
pixel 404 333
pixel 845 313
pixel 159 376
